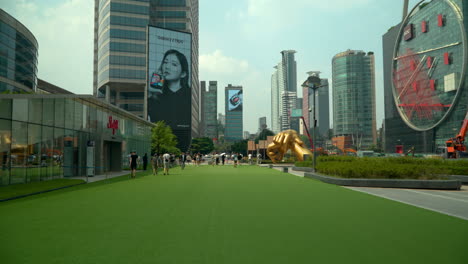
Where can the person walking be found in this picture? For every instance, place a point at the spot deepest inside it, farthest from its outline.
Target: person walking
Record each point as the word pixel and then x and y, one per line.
pixel 239 158
pixel 223 158
pixel 133 160
pixel 145 161
pixel 235 157
pixel 166 163
pixel 155 163
pixel 183 159
pixel 259 158
pixel 250 158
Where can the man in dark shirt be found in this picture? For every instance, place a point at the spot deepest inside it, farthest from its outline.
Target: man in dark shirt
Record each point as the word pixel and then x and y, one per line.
pixel 145 161
pixel 133 163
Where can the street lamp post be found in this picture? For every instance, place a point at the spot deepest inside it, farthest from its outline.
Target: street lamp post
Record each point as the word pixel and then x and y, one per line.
pixel 313 82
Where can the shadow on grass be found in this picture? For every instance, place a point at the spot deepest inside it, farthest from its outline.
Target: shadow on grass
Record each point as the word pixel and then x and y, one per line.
pixel 77 187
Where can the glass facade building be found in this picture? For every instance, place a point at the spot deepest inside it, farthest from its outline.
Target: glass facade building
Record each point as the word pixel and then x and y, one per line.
pixel 354 97
pixel 210 101
pixel 46 136
pixel 120 49
pixel 283 79
pixel 18 56
pixel 431 27
pixel 395 131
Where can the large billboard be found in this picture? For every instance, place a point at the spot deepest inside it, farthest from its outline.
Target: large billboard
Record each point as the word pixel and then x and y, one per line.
pixel 169 78
pixel 234 101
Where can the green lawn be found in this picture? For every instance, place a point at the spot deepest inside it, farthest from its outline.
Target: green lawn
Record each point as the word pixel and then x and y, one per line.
pixel 224 215
pixel 16 190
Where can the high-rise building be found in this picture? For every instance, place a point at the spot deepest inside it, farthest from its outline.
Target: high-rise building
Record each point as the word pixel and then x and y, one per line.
pixel 426 98
pixel 284 78
pixel 354 97
pixel 120 47
pixel 289 70
pixel 322 105
pixel 18 60
pixel 275 99
pixel 396 132
pixel 210 106
pixel 288 103
pixel 201 122
pixel 234 113
pixel 262 123
pixel 222 119
pixel 246 135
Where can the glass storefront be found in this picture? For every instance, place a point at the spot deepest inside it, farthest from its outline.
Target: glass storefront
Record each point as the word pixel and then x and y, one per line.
pixel 44 137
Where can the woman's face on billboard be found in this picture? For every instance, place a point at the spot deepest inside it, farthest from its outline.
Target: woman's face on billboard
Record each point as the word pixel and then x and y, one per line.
pixel 171 68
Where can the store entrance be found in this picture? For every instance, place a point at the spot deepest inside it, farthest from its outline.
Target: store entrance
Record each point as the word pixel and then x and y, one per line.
pixel 112 159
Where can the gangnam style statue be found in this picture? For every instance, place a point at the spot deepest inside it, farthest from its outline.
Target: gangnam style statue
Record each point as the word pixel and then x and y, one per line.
pixel 282 142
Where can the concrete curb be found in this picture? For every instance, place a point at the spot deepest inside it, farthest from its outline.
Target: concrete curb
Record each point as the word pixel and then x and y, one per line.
pixel 462 178
pixel 453 184
pixel 35 193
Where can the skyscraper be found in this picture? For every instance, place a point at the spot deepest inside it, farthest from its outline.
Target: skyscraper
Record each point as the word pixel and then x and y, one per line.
pixel 322 105
pixel 275 100
pixel 234 103
pixel 354 97
pixel 288 100
pixel 396 132
pixel 210 106
pixel 120 46
pixel 284 78
pixel 262 123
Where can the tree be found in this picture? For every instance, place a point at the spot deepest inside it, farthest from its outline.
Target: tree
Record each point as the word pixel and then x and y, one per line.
pixel 203 145
pixel 306 141
pixel 163 140
pixel 240 147
pixel 222 146
pixel 264 134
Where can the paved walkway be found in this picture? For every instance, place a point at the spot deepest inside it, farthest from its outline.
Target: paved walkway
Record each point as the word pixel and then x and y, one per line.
pixel 454 203
pixel 102 176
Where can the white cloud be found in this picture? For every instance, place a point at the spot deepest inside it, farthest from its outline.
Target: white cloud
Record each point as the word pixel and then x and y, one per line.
pixel 218 63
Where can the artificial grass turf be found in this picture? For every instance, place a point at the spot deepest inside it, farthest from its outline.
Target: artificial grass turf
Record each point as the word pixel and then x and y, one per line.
pixel 17 190
pixel 224 215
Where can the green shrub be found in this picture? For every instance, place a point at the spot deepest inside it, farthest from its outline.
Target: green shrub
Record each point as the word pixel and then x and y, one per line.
pixel 384 168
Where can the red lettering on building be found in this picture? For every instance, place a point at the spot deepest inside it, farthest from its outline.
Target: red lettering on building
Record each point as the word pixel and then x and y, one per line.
pixel 114 124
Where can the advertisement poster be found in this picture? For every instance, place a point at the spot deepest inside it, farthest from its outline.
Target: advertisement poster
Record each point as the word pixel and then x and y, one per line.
pixel 235 100
pixel 169 77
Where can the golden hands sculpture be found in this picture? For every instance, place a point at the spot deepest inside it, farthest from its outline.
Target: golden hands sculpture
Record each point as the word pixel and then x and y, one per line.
pixel 284 140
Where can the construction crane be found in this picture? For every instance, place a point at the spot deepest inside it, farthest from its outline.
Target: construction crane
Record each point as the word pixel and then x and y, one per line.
pixel 456 145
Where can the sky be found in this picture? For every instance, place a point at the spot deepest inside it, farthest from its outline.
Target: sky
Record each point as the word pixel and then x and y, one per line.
pixel 239 42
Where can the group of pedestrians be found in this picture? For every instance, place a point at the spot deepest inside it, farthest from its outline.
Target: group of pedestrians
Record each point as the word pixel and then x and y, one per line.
pixel 166 161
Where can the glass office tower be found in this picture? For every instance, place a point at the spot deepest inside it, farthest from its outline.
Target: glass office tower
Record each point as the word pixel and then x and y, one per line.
pixel 120 49
pixel 354 97
pixel 18 56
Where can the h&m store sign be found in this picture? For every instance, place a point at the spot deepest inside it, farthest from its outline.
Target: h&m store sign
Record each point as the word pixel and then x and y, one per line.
pixel 113 124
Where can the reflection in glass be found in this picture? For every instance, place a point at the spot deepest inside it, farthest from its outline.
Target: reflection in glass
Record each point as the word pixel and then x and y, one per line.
pixel 57 156
pixel 47 150
pixel 33 160
pixel 60 112
pixel 5 108
pixel 5 143
pixel 19 142
pixel 20 109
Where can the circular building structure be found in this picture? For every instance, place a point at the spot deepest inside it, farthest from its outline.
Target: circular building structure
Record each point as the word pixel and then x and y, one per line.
pixel 18 56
